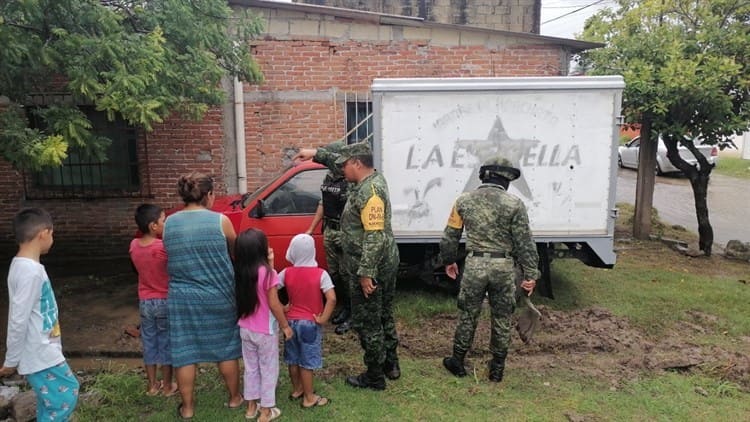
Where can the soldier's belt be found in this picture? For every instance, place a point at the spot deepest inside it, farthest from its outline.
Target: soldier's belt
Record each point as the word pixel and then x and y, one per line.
pixel 331 224
pixel 490 254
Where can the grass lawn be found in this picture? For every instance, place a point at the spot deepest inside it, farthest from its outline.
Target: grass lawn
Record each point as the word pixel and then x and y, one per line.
pixel 656 301
pixel 734 167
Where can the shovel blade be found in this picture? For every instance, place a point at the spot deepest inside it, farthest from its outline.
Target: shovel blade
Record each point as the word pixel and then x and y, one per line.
pixel 528 321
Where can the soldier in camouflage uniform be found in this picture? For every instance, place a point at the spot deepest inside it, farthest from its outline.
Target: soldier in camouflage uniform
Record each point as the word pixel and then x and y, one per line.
pixel 333 198
pixel 497 236
pixel 371 265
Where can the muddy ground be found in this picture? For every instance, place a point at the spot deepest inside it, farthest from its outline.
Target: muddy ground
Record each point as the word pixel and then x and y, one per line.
pixel 95 310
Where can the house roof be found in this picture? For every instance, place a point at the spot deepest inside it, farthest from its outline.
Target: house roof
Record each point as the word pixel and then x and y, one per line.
pixel 388 19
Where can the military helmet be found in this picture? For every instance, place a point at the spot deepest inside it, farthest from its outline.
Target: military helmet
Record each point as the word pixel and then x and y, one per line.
pixel 499 166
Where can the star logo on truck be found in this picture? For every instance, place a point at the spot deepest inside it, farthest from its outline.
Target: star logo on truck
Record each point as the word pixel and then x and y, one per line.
pixel 499 142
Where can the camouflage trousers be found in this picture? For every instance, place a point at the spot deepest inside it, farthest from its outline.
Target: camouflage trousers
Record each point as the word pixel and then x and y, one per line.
pixel 335 260
pixel 493 277
pixel 372 317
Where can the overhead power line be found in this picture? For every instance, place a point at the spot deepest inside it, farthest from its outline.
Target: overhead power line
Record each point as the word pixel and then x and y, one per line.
pixel 574 11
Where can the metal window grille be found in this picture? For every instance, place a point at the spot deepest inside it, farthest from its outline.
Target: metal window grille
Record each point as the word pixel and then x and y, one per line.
pixel 82 175
pixel 358 118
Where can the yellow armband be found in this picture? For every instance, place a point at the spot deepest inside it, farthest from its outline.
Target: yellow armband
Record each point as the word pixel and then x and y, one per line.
pixel 373 214
pixel 455 221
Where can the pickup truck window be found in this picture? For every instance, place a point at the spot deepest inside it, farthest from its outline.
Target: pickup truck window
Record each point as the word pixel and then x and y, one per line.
pixel 299 195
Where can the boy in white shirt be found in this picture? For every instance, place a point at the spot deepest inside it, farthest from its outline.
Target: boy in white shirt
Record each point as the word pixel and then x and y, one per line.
pixel 34 348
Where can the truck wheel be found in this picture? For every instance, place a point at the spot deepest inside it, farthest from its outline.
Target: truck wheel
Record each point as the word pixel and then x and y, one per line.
pixel 658 170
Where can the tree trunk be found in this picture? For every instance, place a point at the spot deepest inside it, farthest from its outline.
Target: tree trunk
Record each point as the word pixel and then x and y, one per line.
pixel 699 182
pixel 644 188
pixel 700 193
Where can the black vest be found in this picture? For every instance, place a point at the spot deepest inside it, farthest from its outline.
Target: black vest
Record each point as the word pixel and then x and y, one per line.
pixel 334 197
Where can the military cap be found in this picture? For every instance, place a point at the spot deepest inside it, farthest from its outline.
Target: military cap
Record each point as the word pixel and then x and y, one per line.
pixel 353 150
pixel 335 147
pixel 500 166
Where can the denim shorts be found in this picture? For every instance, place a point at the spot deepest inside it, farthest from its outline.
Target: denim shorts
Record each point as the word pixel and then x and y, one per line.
pixel 304 348
pixel 155 332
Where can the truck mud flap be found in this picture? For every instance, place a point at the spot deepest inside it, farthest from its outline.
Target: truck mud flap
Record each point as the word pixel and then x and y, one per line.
pixel 544 284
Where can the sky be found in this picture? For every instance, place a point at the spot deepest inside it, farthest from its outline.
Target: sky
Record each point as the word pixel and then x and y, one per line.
pixel 554 24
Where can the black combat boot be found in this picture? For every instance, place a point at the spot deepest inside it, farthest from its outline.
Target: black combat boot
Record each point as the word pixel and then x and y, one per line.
pixel 392 370
pixel 455 364
pixel 372 379
pixel 497 366
pixel 341 316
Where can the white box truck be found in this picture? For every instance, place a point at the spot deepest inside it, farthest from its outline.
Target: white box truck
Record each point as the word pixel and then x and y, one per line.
pixel 431 136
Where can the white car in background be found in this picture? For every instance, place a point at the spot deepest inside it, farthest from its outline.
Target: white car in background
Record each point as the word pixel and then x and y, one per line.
pixel 627 155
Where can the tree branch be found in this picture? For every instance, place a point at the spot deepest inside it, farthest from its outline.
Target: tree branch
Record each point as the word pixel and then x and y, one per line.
pixel 24 27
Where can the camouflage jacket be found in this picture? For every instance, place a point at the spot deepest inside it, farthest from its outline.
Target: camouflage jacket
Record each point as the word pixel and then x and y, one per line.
pixel 495 221
pixel 366 226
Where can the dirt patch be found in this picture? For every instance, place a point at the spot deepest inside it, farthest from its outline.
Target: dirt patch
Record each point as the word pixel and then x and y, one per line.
pixel 591 342
pixel 94 312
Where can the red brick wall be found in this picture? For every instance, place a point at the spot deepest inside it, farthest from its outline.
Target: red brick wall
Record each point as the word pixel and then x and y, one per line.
pixel 272 128
pixel 104 226
pixel 99 227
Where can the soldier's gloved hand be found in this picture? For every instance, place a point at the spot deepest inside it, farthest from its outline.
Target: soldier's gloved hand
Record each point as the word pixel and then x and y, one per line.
pixel 528 285
pixel 451 270
pixel 367 285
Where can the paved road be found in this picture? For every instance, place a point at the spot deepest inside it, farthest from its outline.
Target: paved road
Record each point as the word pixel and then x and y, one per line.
pixel 728 203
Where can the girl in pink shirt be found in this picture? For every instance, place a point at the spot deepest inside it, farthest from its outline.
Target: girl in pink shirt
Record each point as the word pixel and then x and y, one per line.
pixel 260 315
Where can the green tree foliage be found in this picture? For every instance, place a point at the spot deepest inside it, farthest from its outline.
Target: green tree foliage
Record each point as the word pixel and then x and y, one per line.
pixel 686 65
pixel 139 59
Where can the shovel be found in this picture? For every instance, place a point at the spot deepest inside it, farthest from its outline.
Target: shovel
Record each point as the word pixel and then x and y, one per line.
pixel 528 320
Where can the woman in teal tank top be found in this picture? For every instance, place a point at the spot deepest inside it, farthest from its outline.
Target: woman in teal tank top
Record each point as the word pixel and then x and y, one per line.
pixel 201 300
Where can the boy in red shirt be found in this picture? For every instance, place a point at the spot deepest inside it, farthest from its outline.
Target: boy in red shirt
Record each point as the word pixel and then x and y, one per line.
pixel 304 283
pixel 150 260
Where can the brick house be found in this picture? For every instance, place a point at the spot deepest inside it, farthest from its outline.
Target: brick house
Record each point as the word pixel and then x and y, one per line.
pixel 318 64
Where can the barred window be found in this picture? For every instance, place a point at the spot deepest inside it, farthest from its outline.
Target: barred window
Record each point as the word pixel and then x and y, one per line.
pixel 81 175
pixel 358 121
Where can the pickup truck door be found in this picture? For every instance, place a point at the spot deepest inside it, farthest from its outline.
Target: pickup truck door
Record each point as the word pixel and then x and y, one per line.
pixel 287 210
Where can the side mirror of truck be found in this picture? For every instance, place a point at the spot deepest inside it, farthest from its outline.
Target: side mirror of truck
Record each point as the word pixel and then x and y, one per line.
pixel 259 210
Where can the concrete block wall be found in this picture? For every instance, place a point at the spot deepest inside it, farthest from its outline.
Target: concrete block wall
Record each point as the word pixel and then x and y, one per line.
pixel 507 15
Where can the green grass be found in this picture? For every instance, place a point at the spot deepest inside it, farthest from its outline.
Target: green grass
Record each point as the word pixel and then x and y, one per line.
pixel 427 393
pixel 734 167
pixel 652 299
pixel 414 306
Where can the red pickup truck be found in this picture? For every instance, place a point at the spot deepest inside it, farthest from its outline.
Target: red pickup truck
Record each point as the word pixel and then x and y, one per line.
pixel 282 208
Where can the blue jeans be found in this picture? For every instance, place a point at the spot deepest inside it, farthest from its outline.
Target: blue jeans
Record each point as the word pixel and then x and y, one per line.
pixel 304 348
pixel 155 332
